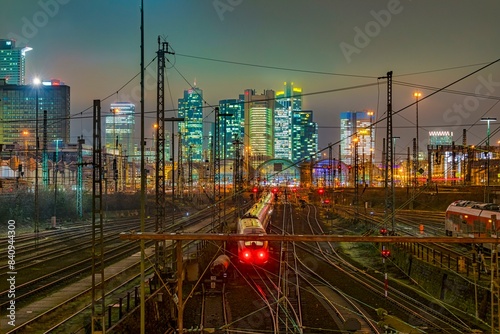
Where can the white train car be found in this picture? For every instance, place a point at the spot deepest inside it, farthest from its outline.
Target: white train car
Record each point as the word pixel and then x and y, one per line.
pixel 255 221
pixel 472 219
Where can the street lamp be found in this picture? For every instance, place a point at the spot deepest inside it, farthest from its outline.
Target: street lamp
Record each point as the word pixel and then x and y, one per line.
pixel 488 120
pixel 417 95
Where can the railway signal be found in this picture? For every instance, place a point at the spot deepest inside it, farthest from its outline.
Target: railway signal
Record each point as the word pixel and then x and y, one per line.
pixel 383 231
pixel 386 253
pixel 321 191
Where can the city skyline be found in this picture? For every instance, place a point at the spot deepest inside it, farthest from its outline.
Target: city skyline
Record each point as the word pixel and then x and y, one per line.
pixel 223 48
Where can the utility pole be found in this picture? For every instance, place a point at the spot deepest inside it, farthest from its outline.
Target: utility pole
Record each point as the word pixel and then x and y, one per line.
pixel 180 167
pixel 466 155
pixel 330 165
pixel 98 292
pixel 340 166
pixel 217 157
pixel 216 172
pixel 45 155
pixel 142 174
pixel 79 179
pixel 389 158
pixel 238 175
pixel 37 148
pixel 356 177
pixel 190 172
pixel 160 248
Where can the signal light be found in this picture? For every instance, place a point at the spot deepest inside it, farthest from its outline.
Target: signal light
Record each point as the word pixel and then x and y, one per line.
pixel 386 253
pixel 255 189
pixel 275 190
pixel 327 201
pixel 321 191
pixel 383 231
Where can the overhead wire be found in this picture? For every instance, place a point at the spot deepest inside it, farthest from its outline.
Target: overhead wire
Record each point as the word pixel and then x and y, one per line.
pixel 318 153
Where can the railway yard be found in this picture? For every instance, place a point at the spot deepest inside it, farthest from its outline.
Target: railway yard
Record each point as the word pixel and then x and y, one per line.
pixel 305 287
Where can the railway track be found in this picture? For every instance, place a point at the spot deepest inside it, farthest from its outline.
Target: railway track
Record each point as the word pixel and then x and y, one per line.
pixel 426 315
pixel 453 257
pixel 29 290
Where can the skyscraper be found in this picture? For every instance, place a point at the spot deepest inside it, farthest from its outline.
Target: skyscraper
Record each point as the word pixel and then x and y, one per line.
pixel 231 126
pixel 287 101
pixel 191 130
pixel 357 124
pixel 259 126
pixel 304 135
pixel 18 108
pixel 12 62
pixel 119 129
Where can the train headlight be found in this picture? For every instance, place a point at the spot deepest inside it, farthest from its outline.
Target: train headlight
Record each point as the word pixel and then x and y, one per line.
pixel 246 255
pixel 262 255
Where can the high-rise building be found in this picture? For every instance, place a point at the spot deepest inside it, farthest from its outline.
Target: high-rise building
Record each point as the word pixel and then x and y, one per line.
pixel 191 129
pixel 304 135
pixel 119 129
pixel 12 62
pixel 259 126
pixel 231 125
pixel 19 105
pixel 357 124
pixel 287 101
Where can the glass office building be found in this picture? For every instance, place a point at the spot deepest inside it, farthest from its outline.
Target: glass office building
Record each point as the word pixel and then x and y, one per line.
pixel 287 101
pixel 12 62
pixel 20 104
pixel 191 129
pixel 119 129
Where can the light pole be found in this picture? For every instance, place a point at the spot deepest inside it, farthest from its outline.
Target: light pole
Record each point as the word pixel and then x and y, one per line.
pixel 417 95
pixel 486 190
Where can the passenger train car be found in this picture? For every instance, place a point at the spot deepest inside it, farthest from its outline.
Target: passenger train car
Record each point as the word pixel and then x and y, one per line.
pixel 255 221
pixel 474 219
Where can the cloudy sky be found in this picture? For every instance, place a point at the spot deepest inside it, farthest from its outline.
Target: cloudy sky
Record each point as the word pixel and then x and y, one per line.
pixel 327 47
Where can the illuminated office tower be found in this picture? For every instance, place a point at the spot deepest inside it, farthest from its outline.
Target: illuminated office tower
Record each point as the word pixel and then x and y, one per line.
pixel 231 125
pixel 259 126
pixel 287 100
pixel 304 135
pixel 191 129
pixel 18 109
pixel 356 124
pixel 119 129
pixel 12 62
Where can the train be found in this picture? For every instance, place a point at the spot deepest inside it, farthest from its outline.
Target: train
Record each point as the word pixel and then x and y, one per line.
pixel 255 221
pixel 473 219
